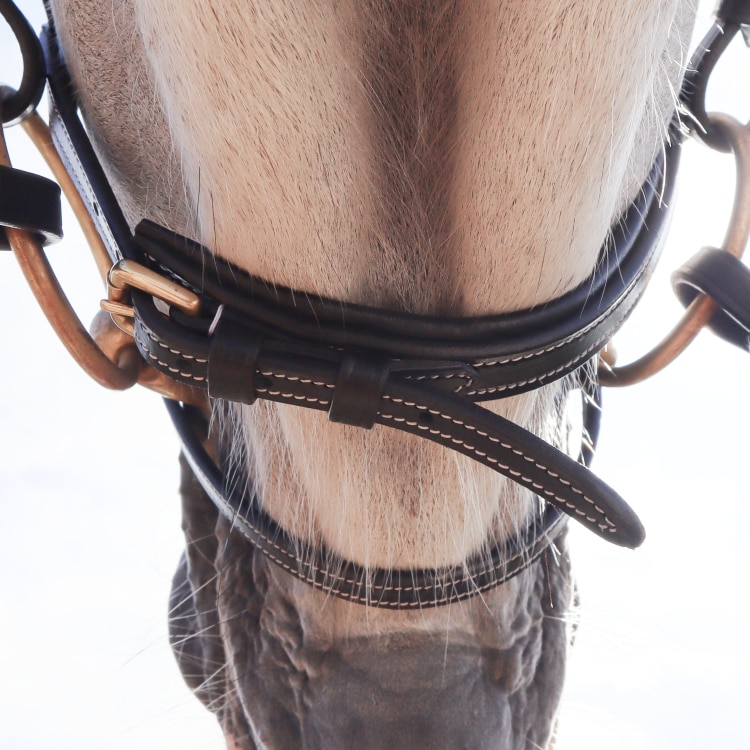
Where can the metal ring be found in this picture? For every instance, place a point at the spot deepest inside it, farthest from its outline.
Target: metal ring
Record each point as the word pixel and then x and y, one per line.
pixel 58 310
pixel 17 105
pixel 110 360
pixel 701 310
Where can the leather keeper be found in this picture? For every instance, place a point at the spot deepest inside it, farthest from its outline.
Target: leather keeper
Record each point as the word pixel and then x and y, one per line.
pixel 359 390
pixel 232 358
pixel 726 280
pixel 29 202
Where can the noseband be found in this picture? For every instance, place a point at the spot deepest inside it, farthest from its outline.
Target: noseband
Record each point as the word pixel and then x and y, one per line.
pixel 212 331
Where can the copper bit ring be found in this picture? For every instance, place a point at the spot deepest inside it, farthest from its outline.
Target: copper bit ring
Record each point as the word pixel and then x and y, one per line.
pixel 702 309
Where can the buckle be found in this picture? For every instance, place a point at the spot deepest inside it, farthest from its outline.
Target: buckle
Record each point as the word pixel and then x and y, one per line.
pixel 128 274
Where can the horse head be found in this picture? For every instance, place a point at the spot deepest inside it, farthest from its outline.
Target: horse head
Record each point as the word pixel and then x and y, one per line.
pixel 373 195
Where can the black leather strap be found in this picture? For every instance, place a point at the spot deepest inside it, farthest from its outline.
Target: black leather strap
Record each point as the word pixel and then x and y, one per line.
pixel 726 280
pixel 78 155
pixel 30 202
pixel 489 357
pixel 284 345
pixel 233 350
pixel 434 408
pixel 358 394
pixel 15 105
pixel 391 589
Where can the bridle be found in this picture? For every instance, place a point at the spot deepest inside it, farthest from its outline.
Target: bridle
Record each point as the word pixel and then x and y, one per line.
pixel 197 331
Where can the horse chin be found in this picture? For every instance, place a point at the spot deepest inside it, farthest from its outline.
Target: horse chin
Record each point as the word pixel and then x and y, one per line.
pixel 285 666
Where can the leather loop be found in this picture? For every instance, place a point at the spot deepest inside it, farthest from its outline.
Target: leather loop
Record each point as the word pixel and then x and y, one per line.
pixel 17 105
pixel 30 202
pixel 231 362
pixel 734 11
pixel 726 280
pixel 359 390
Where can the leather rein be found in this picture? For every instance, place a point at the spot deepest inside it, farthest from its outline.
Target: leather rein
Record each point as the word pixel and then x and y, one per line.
pixel 196 331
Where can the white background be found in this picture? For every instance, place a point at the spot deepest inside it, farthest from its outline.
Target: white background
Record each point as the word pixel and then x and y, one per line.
pixel 90 528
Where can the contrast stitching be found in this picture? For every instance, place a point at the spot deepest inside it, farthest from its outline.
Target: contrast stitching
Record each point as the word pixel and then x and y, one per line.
pixel 175 370
pixel 608 525
pixel 268 545
pixel 73 165
pixel 177 352
pixel 520 384
pixel 296 379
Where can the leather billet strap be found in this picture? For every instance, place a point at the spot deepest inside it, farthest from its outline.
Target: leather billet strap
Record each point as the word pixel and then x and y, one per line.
pixel 81 162
pixel 390 589
pixel 287 374
pixel 415 373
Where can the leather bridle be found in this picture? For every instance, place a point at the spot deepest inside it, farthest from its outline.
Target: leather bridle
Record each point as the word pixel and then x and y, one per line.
pixel 213 331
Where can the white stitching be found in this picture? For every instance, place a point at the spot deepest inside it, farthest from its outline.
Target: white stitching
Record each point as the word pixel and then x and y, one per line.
pixel 603 522
pixel 295 397
pixel 175 370
pixel 588 352
pixel 59 130
pixel 295 379
pixel 305 576
pixel 608 525
pixel 159 342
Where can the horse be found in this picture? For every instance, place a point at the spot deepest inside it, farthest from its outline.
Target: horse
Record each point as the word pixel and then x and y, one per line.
pixel 383 121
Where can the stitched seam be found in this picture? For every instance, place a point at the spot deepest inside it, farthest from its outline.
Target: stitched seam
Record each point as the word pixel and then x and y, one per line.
pixel 573 337
pixel 296 379
pixel 439 375
pixel 587 353
pixel 341 580
pixel 74 167
pixel 293 396
pixel 603 522
pixel 608 525
pixel 159 342
pixel 521 383
pixel 166 365
pixel 270 544
pixel 344 594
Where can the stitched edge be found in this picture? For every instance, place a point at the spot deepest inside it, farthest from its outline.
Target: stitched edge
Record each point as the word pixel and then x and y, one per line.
pixel 73 165
pixel 291 564
pixel 606 336
pixel 608 524
pixel 145 350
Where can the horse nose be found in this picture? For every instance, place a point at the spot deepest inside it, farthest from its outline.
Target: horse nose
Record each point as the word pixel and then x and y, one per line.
pixel 406 696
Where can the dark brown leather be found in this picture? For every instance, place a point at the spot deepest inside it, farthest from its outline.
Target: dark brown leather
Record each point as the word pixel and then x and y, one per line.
pixel 509 353
pixel 391 589
pixel 423 407
pixel 30 202
pixel 726 280
pixel 15 105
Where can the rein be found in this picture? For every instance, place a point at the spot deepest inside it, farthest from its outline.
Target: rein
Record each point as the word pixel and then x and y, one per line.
pixel 196 331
